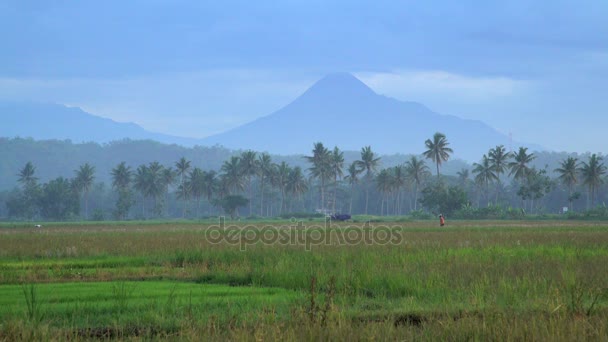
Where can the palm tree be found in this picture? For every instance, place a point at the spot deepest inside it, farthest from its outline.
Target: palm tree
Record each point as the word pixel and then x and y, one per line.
pixel 142 184
pixel 210 184
pixel 233 175
pixel 519 168
pixel 498 157
pixel 83 181
pixel 26 175
pixel 167 179
pixel 592 174
pixel 437 149
pixel 182 167
pixel 416 172
pixel 195 182
pixel 296 183
pixel 121 176
pixel 368 163
pixel 264 171
pixel 568 175
pixel 352 177
pixel 280 179
pixel 156 185
pixel 321 167
pixel 463 176
pixel 336 165
pixel 384 184
pixel 399 181
pixel 485 173
pixel 249 169
pixel 121 180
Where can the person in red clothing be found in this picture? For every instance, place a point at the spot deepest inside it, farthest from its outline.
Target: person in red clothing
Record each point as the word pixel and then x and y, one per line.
pixel 441 220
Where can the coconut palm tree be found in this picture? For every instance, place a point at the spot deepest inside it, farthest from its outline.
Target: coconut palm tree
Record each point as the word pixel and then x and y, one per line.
pixel 498 157
pixel 121 176
pixel 141 184
pixel 399 181
pixel 26 175
pixel 485 173
pixel 249 169
pixel 195 182
pixel 83 182
pixel 353 179
pixel 568 175
pixel 280 179
pixel 210 184
pixel 463 177
pixel 296 183
pixel 167 176
pixel 156 185
pixel 368 163
pixel 264 171
pixel 519 168
pixel 121 181
pixel 183 166
pixel 437 149
pixel 321 167
pixel 384 184
pixel 416 172
pixel 336 165
pixel 592 174
pixel 232 176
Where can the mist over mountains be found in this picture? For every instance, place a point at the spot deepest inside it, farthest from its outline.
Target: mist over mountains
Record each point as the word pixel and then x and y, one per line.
pixel 338 110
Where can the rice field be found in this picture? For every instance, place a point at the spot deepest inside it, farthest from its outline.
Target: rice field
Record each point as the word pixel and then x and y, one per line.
pixel 291 280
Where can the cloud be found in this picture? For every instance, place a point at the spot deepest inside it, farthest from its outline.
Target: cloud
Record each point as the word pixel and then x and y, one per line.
pixel 412 84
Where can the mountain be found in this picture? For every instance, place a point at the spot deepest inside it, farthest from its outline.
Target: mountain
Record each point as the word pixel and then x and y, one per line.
pixel 54 121
pixel 341 110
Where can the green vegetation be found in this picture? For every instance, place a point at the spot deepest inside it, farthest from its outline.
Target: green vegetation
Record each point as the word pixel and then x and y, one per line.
pixel 508 280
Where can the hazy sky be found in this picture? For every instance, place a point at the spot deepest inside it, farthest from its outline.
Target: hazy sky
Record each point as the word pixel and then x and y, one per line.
pixel 537 69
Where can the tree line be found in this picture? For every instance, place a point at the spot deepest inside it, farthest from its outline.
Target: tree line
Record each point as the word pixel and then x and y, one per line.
pixel 252 184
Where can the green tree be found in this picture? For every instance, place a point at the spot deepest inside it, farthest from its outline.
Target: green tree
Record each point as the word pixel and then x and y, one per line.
pixel 249 169
pixel 592 173
pixel 58 200
pixel 321 167
pixel 26 175
pixel 336 165
pixel 416 172
pixel 498 157
pixel 264 172
pixel 441 199
pixel 231 203
pixel 167 176
pixel 384 184
pixel 568 175
pixel 519 168
pixel 400 179
pixel 280 179
pixel 368 163
pixel 353 179
pixel 183 166
pixel 83 182
pixel 296 183
pixel 121 181
pixel 232 176
pixel 437 149
pixel 195 181
pixel 484 174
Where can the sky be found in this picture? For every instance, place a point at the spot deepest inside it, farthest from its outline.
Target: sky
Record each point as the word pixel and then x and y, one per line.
pixel 535 69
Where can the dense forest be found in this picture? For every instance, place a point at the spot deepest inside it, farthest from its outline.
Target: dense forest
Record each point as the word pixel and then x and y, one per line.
pixel 59 180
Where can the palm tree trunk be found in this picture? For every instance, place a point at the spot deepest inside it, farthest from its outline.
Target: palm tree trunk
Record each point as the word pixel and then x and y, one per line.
pixel 416 196
pixel 335 190
pixel 86 205
pixel 262 196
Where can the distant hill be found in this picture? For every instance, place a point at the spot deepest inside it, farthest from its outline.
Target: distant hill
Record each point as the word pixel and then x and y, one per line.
pixel 338 110
pixel 55 121
pixel 341 110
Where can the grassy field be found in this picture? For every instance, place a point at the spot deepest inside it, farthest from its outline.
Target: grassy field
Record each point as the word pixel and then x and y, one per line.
pixel 507 280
